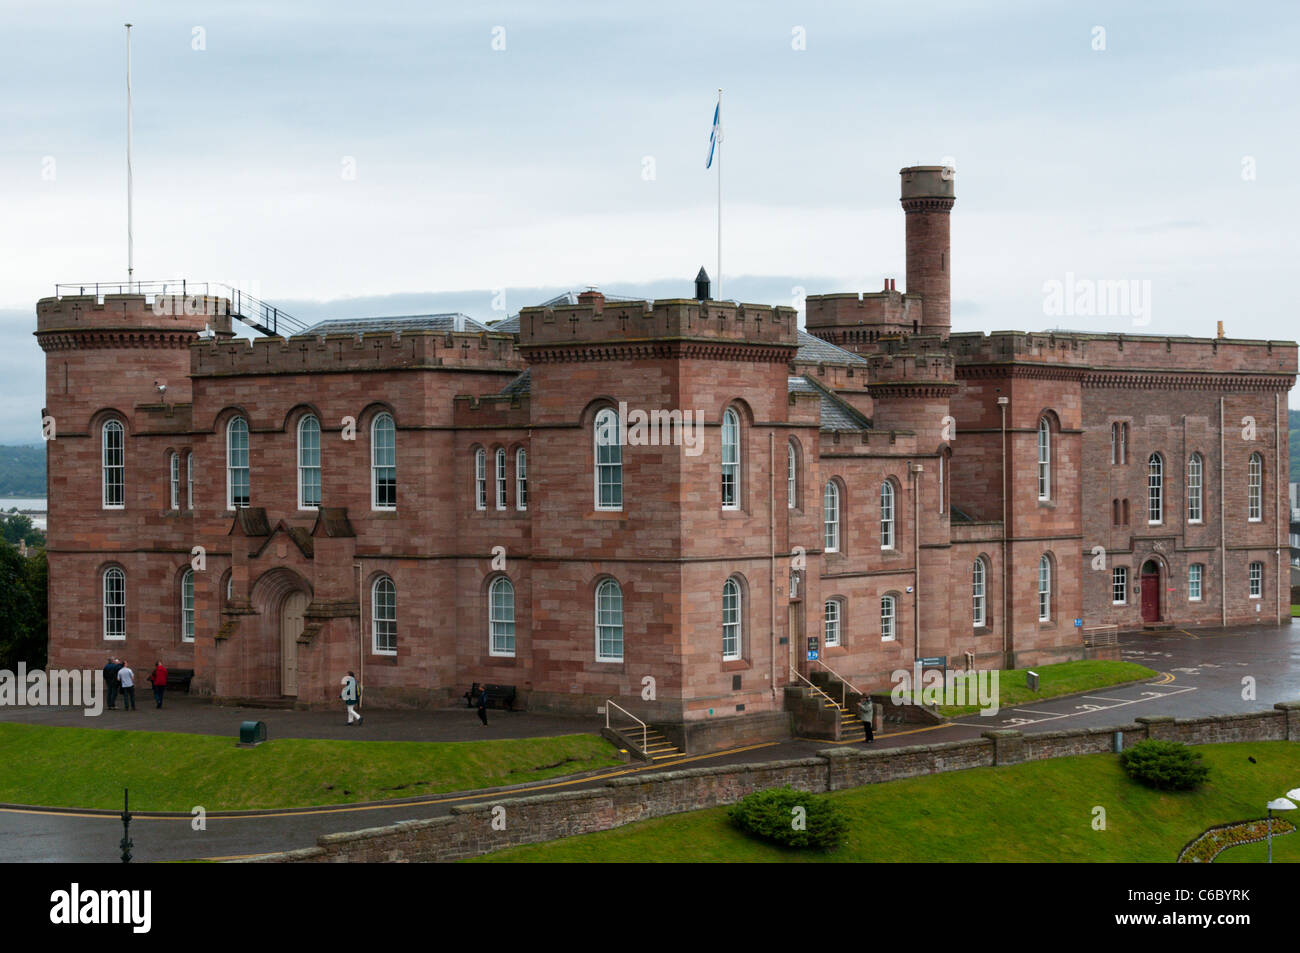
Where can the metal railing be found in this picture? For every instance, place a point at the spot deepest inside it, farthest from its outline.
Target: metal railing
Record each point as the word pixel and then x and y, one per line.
pixel 1095 636
pixel 609 703
pixel 795 672
pixel 845 684
pixel 252 311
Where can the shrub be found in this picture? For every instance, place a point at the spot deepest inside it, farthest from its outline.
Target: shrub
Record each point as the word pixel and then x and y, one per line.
pixel 1164 765
pixel 773 816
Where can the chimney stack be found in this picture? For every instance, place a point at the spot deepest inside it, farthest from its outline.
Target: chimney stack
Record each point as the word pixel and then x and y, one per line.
pixel 927 197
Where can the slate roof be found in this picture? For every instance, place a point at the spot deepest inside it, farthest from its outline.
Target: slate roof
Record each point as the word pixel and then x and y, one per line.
pixel 813 350
pixel 520 386
pixel 454 321
pixel 837 414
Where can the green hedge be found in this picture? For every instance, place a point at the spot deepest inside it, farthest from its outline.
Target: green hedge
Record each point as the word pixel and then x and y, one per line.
pixel 1164 765
pixel 791 818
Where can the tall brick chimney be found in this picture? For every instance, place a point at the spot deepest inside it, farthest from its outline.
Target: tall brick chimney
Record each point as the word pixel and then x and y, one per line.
pixel 928 196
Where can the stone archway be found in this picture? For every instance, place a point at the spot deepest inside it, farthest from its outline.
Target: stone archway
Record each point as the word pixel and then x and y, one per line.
pixel 1152 575
pixel 280 597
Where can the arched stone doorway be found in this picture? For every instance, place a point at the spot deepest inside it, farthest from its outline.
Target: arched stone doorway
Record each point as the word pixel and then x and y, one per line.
pixel 1151 582
pixel 281 597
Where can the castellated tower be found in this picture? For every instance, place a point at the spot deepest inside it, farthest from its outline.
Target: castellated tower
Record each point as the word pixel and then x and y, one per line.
pixel 928 196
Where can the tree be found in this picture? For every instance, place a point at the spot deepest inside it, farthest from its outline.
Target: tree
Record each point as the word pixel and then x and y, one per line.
pixel 19 526
pixel 24 621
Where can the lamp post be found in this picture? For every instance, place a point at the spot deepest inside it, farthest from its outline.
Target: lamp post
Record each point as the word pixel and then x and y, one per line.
pixel 1279 804
pixel 127 843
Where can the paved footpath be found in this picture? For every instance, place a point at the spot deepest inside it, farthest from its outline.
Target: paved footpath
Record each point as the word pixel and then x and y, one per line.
pixel 1202 674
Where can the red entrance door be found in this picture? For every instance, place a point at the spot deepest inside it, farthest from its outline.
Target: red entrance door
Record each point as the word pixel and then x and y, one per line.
pixel 1151 597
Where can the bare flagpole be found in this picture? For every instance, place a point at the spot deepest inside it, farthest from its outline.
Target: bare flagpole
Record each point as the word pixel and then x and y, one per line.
pixel 719 145
pixel 130 241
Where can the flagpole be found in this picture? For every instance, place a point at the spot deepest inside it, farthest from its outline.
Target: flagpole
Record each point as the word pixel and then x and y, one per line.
pixel 130 242
pixel 720 137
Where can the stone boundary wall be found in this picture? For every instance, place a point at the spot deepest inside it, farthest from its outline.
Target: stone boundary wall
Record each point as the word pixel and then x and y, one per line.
pixel 471 830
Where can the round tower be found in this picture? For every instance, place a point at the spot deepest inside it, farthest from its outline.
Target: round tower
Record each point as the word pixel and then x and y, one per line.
pixel 928 195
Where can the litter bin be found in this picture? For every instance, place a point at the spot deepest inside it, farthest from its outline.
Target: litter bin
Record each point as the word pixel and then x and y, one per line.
pixel 251 733
pixel 1031 681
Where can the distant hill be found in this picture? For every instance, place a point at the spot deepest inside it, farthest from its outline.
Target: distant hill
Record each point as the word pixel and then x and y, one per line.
pixel 22 470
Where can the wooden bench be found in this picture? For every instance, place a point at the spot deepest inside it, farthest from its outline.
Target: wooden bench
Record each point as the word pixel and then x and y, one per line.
pixel 498 696
pixel 179 677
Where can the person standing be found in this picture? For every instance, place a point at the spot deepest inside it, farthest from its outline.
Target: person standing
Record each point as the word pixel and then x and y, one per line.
pixel 126 678
pixel 866 711
pixel 351 695
pixel 159 681
pixel 482 705
pixel 110 680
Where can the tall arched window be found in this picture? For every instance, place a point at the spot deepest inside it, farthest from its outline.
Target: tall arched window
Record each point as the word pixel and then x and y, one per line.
pixel 609 461
pixel 309 481
pixel 888 618
pixel 1195 497
pixel 383 616
pixel 189 481
pixel 1155 489
pixel 609 622
pixel 834 615
pixel 791 476
pixel 113 458
pixel 521 479
pixel 383 463
pixel 501 478
pixel 731 628
pixel 480 479
pixel 886 515
pixel 831 516
pixel 237 472
pixel 1114 443
pixel 1044 589
pixel 114 603
pixel 1044 459
pixel 730 460
pixel 187 606
pixel 1256 497
pixel 501 617
pixel 174 480
pixel 978 590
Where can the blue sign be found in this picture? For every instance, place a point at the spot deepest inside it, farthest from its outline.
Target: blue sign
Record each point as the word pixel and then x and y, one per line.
pixel 812 656
pixel 1078 623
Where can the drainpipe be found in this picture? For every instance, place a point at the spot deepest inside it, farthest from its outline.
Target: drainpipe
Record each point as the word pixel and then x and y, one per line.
pixel 1277 497
pixel 771 546
pixel 1223 538
pixel 1006 549
pixel 915 469
pixel 361 629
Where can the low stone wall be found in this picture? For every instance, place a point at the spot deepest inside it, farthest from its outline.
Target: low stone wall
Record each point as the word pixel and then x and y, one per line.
pixel 476 829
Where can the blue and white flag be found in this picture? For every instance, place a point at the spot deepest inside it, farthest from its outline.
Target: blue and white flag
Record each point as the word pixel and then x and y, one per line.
pixel 716 135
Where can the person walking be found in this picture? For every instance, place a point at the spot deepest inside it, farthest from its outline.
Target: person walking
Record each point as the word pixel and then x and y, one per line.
pixel 159 681
pixel 351 695
pixel 126 678
pixel 110 680
pixel 482 705
pixel 866 711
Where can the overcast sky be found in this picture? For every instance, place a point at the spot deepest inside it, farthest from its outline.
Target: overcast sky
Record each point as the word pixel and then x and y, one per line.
pixel 327 155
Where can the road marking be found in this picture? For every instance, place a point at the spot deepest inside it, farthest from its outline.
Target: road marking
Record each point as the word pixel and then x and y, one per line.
pixel 1106 698
pixel 1034 712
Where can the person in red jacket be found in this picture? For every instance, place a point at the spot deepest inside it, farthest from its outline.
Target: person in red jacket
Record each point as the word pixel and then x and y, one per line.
pixel 159 680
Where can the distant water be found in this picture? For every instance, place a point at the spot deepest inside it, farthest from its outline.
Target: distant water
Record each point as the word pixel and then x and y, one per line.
pixel 39 519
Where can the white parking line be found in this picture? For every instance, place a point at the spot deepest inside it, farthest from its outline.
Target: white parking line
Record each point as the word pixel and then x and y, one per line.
pixel 1034 712
pixel 1052 716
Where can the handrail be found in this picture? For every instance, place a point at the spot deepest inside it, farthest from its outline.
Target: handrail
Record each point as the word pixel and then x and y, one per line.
pixel 843 682
pixel 252 311
pixel 609 703
pixel 1110 637
pixel 795 672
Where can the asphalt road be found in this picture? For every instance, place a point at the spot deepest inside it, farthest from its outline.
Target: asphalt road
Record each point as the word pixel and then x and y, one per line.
pixel 1202 673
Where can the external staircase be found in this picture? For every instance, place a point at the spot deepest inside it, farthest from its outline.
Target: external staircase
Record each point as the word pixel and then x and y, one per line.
pixel 644 740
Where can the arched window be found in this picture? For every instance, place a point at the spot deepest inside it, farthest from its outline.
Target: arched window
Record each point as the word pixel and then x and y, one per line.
pixel 978 589
pixel 1195 497
pixel 609 621
pixel 1123 443
pixel 1114 443
pixel 501 617
pixel 521 479
pixel 189 481
pixel 1044 589
pixel 480 479
pixel 237 473
pixel 609 462
pixel 383 616
pixel 114 603
pixel 831 517
pixel 1155 489
pixel 791 476
pixel 308 463
pixel 730 620
pixel 174 479
pixel 730 460
pixel 1256 478
pixel 114 465
pixel 886 515
pixel 383 463
pixel 187 606
pixel 833 611
pixel 888 618
pixel 1044 459
pixel 501 479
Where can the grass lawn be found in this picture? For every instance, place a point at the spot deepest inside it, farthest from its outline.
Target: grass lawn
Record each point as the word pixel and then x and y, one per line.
pixel 1286 850
pixel 1295 612
pixel 1040 811
pixel 1063 678
pixel 166 771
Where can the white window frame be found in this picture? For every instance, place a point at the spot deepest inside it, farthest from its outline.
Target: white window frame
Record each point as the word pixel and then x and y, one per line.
pixel 501 479
pixel 791 476
pixel 377 467
pixel 189 480
pixel 730 460
pixel 607 472
pixel 1155 490
pixel 480 479
pixel 887 512
pixel 113 597
pixel 113 465
pixel 833 624
pixel 1256 580
pixel 233 467
pixel 1044 459
pixel 1195 488
pixel 831 517
pixel 1119 585
pixel 1255 488
pixel 605 620
pixel 187 606
pixel 305 466
pixel 1195 582
pixel 888 619
pixel 979 592
pixel 521 479
pixel 174 479
pixel 387 621
pixel 501 623
pixel 1044 588
pixel 732 620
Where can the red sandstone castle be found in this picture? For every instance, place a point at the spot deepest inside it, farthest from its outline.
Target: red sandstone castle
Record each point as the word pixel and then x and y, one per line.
pixel 433 502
